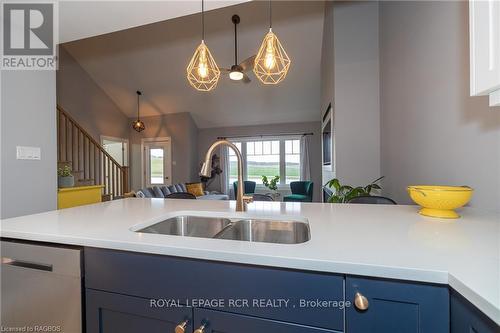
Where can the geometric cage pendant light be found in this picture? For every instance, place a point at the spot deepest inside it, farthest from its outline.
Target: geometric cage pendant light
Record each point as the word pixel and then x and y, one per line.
pixel 202 71
pixel 272 62
pixel 138 124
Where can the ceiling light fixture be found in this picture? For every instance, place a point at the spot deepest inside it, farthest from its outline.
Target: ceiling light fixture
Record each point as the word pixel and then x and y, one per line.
pixel 237 72
pixel 272 63
pixel 138 125
pixel 202 71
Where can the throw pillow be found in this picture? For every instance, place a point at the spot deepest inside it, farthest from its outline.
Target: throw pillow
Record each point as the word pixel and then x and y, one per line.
pixel 195 189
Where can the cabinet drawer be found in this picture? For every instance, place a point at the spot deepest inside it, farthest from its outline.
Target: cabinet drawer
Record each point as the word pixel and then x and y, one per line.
pixel 113 313
pixel 215 321
pixel 265 289
pixel 397 306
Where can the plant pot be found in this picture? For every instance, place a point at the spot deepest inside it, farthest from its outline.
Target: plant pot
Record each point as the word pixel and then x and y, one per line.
pixel 275 195
pixel 68 181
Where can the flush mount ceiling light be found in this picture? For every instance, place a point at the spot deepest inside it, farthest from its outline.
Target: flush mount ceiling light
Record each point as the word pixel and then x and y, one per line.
pixel 202 71
pixel 138 125
pixel 272 63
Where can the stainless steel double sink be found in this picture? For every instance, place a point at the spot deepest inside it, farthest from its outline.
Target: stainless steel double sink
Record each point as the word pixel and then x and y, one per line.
pixel 244 229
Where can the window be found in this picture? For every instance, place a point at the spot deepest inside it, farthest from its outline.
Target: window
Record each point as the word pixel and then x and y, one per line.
pixel 273 157
pixel 156 165
pixel 262 159
pixel 292 160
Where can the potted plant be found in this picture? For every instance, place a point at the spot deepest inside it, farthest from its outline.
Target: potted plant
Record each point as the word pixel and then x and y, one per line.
pixel 271 184
pixel 344 193
pixel 64 177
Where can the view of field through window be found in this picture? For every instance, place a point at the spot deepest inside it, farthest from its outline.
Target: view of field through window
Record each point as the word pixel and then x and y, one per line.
pixel 156 165
pixel 263 158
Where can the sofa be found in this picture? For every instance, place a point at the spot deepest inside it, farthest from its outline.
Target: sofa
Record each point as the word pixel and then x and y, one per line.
pixel 163 191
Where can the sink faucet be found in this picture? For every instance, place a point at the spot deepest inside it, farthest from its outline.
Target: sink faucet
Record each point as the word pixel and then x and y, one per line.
pixel 206 169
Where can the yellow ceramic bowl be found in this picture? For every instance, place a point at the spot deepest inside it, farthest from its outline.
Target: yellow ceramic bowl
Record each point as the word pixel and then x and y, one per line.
pixel 440 201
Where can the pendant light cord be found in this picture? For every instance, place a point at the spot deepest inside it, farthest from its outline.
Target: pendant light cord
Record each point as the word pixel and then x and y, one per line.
pixel 270 15
pixel 202 20
pixel 138 95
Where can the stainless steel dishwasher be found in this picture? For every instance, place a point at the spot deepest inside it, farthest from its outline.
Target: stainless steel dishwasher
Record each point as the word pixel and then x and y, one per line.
pixel 40 288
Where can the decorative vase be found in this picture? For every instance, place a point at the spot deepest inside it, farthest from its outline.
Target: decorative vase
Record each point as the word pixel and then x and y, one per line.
pixel 68 181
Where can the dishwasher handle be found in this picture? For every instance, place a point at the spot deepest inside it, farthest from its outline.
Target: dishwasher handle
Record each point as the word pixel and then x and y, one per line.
pixel 26 264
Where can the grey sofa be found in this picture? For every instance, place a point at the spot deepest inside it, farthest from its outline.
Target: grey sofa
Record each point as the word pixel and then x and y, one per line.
pixel 163 191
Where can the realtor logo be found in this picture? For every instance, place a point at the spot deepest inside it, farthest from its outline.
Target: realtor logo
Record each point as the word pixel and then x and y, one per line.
pixel 29 36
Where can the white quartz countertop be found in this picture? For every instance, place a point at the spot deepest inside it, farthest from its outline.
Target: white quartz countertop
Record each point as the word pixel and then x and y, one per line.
pixel 371 240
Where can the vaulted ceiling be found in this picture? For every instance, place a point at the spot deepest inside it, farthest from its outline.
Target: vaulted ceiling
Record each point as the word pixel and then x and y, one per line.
pixel 82 19
pixel 153 58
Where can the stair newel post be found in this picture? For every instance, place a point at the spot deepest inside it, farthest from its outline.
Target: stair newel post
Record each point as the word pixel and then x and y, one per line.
pixel 125 182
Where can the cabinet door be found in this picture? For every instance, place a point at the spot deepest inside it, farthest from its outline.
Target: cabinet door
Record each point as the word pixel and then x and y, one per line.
pixel 144 275
pixel 210 321
pixel 395 306
pixel 484 25
pixel 466 318
pixel 115 313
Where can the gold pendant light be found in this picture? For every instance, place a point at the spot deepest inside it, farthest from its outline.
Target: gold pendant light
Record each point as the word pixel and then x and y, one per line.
pixel 138 124
pixel 271 63
pixel 202 71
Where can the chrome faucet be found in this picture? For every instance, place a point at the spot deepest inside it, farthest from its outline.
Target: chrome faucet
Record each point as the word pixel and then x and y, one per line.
pixel 206 169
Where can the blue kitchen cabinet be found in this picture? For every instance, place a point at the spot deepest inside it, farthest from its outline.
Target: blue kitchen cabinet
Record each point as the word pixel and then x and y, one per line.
pixel 211 321
pixel 156 276
pixel 114 313
pixel 120 285
pixel 466 318
pixel 382 306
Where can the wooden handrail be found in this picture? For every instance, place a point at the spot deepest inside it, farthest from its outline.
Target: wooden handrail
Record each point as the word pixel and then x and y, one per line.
pixel 66 114
pixel 98 166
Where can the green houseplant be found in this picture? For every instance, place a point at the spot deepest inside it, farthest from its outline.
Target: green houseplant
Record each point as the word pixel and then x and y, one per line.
pixel 64 177
pixel 271 184
pixel 344 193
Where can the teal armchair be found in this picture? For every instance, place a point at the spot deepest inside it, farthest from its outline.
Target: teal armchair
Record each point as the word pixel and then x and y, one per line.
pixel 248 187
pixel 301 192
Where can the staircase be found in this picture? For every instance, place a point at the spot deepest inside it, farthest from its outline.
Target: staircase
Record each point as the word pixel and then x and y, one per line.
pixel 90 163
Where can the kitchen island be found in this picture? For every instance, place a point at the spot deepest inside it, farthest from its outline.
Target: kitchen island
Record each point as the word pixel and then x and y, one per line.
pixel 392 244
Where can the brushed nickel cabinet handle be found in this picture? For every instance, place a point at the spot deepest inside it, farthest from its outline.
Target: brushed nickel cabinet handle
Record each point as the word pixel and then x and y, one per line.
pixel 181 328
pixel 26 264
pixel 361 302
pixel 200 329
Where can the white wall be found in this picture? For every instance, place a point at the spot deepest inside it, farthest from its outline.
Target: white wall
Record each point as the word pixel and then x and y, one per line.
pixel 181 128
pixel 356 92
pixel 326 79
pixel 28 118
pixel 87 103
pixel 432 131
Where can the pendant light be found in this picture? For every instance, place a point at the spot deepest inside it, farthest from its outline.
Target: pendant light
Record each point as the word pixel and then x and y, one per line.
pixel 202 71
pixel 272 63
pixel 138 124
